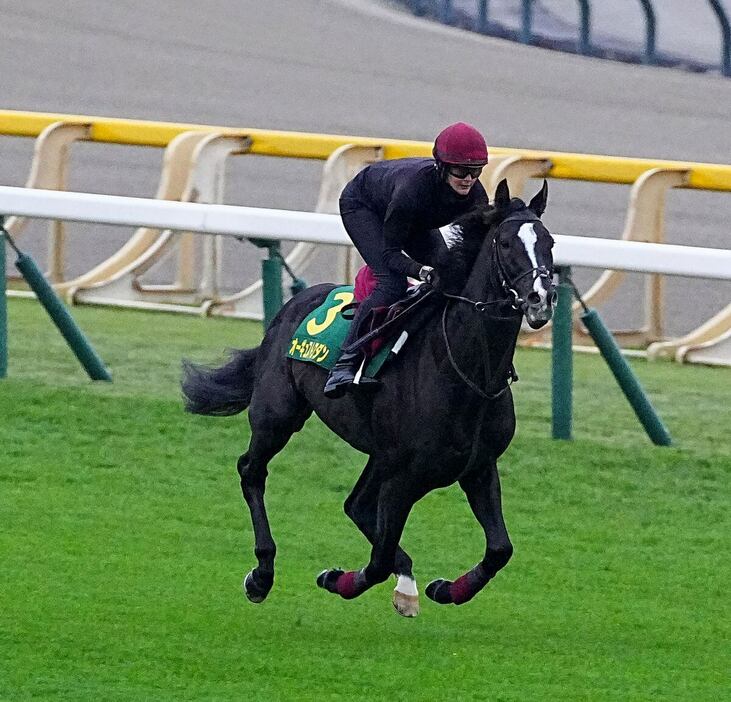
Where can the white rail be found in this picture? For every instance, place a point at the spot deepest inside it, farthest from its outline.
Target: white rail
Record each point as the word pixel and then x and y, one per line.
pixel 261 223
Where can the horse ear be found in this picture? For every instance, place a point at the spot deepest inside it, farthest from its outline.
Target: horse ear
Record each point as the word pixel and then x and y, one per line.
pixel 538 203
pixel 502 195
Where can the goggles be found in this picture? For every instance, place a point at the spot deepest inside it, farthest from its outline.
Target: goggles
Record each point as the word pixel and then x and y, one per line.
pixel 463 171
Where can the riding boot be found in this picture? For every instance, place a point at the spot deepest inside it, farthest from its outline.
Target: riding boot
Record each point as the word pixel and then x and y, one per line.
pixel 342 374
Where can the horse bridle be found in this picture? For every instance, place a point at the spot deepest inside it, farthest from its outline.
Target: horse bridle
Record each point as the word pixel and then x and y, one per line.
pixel 516 302
pixel 509 286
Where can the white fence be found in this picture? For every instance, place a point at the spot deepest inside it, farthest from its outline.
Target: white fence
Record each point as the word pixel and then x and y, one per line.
pixel 285 225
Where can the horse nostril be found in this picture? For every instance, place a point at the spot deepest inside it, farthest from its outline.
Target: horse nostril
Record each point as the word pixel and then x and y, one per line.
pixel 533 298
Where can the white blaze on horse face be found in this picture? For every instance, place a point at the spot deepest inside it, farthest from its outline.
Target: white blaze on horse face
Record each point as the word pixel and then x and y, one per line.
pixel 528 236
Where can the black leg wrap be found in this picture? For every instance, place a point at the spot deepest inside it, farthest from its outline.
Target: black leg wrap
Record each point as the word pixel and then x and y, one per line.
pixel 328 579
pixel 438 590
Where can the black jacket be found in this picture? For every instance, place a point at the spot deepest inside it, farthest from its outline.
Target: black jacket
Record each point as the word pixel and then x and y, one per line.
pixel 411 198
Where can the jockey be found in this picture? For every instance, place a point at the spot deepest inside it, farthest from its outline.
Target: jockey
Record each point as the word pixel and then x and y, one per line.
pixel 392 211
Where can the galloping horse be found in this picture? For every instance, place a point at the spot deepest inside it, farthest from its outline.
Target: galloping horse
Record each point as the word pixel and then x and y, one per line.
pixel 443 414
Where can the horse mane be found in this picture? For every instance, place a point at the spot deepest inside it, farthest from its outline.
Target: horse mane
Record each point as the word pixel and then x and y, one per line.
pixel 469 233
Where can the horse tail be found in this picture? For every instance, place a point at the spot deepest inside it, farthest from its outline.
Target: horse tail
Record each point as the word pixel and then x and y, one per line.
pixel 220 391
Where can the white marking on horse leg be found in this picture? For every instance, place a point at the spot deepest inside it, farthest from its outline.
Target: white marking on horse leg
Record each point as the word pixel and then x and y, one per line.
pixel 406 597
pixel 406 585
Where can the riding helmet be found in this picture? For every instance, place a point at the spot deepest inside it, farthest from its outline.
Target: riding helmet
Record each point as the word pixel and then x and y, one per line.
pixel 460 144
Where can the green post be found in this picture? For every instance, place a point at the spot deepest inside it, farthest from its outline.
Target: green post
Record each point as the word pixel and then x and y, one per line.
pixel 626 378
pixel 447 11
pixel 62 319
pixel 720 12
pixel 584 27
pixel 526 34
pixel 271 275
pixel 3 307
pixel 562 360
pixel 483 16
pixel 271 279
pixel 650 31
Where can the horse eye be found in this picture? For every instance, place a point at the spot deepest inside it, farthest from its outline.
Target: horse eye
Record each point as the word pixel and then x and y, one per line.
pixel 505 243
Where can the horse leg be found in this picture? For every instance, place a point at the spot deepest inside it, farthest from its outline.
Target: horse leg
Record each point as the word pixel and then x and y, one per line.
pixel 361 506
pixel 483 493
pixel 394 504
pixel 270 432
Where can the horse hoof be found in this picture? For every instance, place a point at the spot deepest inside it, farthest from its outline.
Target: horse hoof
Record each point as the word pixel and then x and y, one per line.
pixel 438 590
pixel 406 605
pixel 255 592
pixel 328 579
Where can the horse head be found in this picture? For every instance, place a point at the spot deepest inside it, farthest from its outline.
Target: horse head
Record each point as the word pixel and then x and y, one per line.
pixel 521 254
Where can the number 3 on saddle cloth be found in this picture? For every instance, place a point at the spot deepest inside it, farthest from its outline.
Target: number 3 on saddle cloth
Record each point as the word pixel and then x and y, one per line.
pixel 319 336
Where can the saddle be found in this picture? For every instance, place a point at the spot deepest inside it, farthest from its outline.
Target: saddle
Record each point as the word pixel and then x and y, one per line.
pixel 319 337
pixel 383 323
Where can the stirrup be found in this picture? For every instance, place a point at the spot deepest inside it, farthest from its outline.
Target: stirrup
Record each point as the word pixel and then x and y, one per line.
pixel 337 384
pixel 342 375
pixel 364 381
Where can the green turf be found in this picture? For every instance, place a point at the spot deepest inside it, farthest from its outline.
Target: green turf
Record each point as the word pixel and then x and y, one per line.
pixel 124 539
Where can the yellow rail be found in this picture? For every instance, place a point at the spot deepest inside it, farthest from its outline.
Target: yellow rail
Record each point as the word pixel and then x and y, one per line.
pixel 603 169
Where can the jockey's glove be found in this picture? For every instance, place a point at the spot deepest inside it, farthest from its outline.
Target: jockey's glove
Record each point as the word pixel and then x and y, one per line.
pixel 428 275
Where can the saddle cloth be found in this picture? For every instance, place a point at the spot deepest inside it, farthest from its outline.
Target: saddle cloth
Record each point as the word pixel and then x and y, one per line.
pixel 320 335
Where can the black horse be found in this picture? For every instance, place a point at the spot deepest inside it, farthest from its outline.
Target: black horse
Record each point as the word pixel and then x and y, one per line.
pixel 443 414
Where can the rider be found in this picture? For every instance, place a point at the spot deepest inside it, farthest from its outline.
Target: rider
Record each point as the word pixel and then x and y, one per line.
pixel 394 208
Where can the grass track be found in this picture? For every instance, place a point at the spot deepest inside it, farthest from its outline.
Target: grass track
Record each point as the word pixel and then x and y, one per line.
pixel 125 538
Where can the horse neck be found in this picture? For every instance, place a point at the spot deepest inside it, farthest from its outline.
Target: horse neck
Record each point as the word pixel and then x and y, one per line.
pixel 472 331
pixel 483 282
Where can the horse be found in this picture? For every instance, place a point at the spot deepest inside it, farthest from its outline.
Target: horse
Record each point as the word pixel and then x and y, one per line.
pixel 443 414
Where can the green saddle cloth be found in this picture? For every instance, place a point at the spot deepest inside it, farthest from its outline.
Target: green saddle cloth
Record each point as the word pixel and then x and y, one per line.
pixel 321 333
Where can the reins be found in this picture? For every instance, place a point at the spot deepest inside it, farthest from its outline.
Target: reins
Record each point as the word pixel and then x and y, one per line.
pixel 481 306
pixel 507 358
pixel 500 373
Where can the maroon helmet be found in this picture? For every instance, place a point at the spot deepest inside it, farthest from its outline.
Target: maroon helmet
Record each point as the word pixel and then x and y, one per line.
pixel 460 144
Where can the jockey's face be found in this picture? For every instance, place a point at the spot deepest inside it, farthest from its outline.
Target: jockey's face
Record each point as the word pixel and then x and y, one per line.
pixel 461 179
